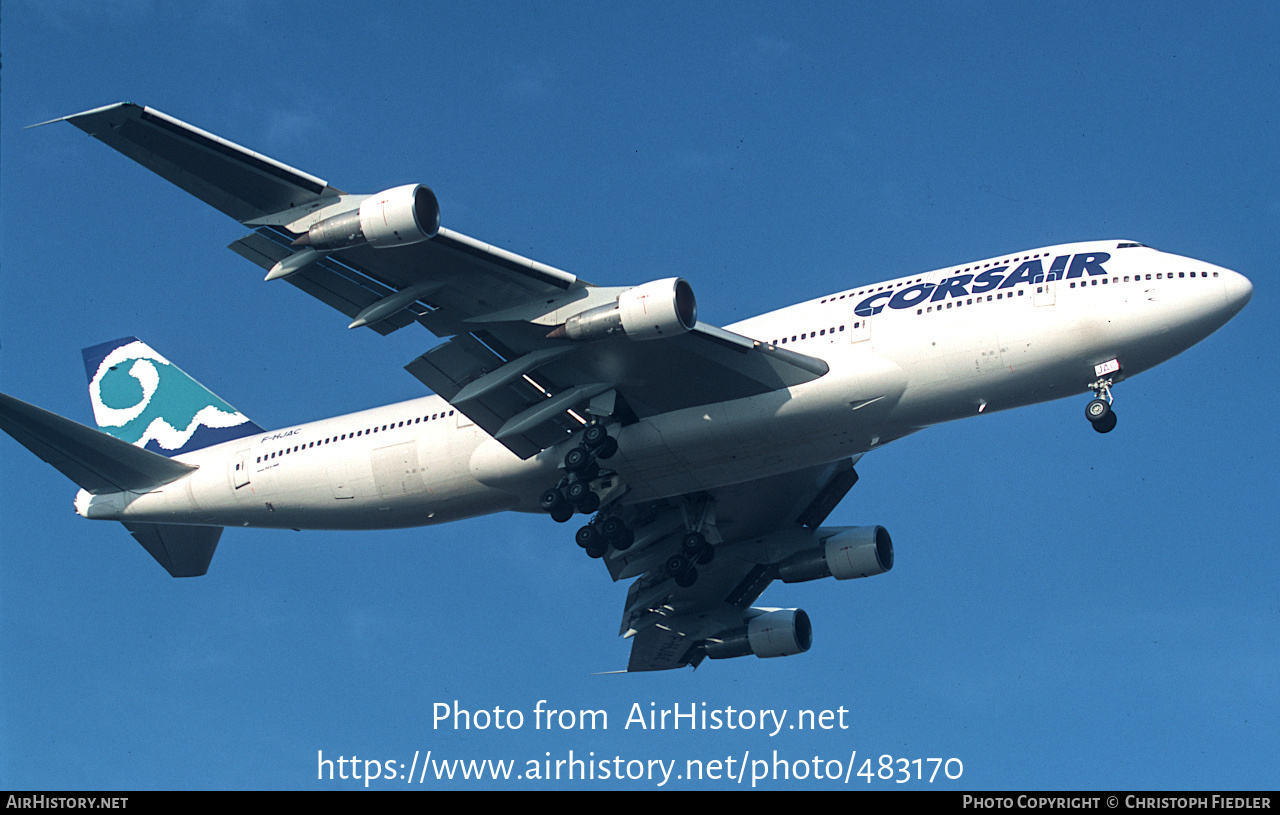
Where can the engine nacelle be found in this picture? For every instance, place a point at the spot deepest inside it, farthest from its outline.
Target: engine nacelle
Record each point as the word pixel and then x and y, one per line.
pixel 859 551
pixel 396 217
pixel 661 308
pixel 777 633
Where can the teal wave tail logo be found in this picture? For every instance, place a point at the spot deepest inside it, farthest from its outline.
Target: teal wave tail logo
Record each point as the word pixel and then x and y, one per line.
pixel 142 398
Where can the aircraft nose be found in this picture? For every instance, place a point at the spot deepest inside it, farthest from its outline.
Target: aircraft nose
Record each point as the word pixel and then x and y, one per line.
pixel 1238 289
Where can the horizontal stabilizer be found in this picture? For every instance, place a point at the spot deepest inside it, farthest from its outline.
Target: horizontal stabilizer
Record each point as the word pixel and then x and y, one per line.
pixel 184 551
pixel 97 462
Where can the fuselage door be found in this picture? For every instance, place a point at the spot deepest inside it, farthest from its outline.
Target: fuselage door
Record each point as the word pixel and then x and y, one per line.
pixel 1045 294
pixel 240 468
pixel 859 328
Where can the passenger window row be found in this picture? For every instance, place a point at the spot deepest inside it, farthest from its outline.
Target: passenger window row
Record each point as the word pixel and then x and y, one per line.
pixel 357 434
pixel 960 302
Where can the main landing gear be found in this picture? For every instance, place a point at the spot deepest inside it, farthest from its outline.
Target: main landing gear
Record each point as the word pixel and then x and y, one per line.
pixel 597 536
pixel 1098 411
pixel 581 465
pixel 574 493
pixel 608 530
pixel 694 549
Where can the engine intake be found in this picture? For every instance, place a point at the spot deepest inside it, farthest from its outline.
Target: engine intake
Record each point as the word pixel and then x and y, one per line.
pixel 859 551
pixel 661 308
pixel 777 633
pixel 396 217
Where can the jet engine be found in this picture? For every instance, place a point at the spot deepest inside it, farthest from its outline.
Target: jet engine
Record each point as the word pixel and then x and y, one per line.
pixel 396 217
pixel 859 551
pixel 661 308
pixel 770 633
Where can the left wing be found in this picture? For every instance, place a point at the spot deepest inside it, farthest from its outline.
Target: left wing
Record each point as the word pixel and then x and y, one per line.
pixel 531 350
pixel 532 347
pixel 760 531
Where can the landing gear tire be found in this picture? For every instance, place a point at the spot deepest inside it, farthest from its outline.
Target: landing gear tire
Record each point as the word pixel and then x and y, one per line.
pixel 1097 411
pixel 1107 424
pixel 556 505
pixel 695 549
pixel 577 459
pixel 676 564
pixel 612 529
pixel 588 536
pixel 582 498
pixel 681 570
pixel 692 544
pixel 594 436
pixel 617 534
pixel 607 448
pixel 551 500
pixel 577 491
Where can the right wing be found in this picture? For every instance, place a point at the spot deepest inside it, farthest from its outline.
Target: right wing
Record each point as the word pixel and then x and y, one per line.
pixel 761 531
pixel 499 367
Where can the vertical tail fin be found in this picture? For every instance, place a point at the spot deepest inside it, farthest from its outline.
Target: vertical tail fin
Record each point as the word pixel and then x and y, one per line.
pixel 142 398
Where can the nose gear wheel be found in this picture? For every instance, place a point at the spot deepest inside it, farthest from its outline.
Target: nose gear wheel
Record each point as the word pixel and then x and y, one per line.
pixel 1099 411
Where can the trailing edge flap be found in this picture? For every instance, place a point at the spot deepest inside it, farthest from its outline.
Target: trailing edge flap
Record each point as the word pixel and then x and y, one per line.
pixel 496 376
pixel 97 462
pixel 184 551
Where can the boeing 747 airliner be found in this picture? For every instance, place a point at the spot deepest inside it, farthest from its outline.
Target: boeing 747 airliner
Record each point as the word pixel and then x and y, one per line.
pixel 704 460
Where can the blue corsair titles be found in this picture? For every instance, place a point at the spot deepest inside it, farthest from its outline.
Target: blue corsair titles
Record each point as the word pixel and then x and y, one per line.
pixel 702 461
pixel 986 280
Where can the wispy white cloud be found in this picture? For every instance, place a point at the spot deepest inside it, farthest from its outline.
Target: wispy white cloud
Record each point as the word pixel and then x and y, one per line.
pixel 530 83
pixel 287 126
pixel 762 54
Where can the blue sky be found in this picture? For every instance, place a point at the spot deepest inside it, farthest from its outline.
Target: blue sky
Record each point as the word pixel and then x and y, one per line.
pixel 1067 610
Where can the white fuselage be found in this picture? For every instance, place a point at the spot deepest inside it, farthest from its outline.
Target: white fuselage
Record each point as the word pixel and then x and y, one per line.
pixel 903 354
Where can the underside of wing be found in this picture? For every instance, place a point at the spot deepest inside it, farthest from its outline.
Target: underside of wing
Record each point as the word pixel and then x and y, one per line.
pixel 702 559
pixel 521 387
pixel 228 177
pixel 437 283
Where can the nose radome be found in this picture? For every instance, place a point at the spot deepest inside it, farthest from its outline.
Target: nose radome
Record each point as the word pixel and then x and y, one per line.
pixel 1238 290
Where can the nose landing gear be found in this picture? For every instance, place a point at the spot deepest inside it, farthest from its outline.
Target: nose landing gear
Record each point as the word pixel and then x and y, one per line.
pixel 1098 411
